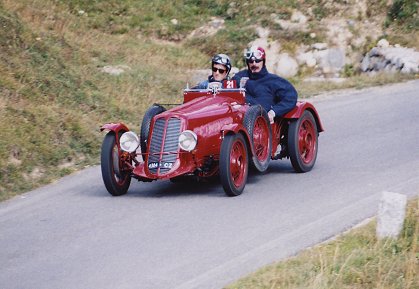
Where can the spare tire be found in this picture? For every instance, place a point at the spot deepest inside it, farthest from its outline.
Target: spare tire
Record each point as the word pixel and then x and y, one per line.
pixel 154 110
pixel 256 121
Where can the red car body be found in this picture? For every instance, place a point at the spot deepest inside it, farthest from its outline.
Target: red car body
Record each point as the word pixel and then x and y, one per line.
pixel 211 115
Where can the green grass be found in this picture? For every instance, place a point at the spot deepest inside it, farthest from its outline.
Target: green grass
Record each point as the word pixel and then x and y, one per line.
pixel 404 13
pixel 355 260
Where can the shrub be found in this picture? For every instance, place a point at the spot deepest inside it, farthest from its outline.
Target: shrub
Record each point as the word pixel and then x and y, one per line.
pixel 403 13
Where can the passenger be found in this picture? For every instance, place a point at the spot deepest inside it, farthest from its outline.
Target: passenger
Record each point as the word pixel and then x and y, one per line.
pixel 275 94
pixel 221 66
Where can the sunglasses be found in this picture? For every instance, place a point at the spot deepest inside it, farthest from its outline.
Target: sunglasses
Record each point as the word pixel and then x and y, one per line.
pixel 254 60
pixel 220 70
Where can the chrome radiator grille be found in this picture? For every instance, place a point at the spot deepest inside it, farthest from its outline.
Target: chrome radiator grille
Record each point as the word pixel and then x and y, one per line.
pixel 164 145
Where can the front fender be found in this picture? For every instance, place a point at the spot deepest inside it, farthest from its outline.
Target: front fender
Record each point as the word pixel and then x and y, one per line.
pixel 238 128
pixel 298 111
pixel 115 127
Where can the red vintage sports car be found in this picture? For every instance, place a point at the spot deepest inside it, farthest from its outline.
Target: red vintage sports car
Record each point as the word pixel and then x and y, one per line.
pixel 213 132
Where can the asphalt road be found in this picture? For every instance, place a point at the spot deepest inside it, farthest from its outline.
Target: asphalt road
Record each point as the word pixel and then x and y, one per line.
pixel 73 234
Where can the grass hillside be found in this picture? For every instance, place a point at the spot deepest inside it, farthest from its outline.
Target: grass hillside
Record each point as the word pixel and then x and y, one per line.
pixel 54 96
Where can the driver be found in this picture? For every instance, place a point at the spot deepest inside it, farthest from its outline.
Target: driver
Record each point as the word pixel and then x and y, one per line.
pixel 221 66
pixel 275 94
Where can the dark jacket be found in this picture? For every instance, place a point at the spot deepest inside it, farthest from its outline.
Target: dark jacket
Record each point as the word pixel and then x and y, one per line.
pixel 269 90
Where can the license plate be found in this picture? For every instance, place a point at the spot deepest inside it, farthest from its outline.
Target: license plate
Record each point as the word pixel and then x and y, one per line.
pixel 155 165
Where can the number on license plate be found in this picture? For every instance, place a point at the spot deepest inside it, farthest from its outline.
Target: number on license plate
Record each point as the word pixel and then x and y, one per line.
pixel 155 165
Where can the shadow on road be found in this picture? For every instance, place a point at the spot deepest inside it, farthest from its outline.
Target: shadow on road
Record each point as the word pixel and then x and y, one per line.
pixel 190 186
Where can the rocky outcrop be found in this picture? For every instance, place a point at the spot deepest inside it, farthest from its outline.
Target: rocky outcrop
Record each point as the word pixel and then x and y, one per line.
pixel 115 70
pixel 387 58
pixel 209 29
pixel 298 22
pixel 326 62
pixel 343 38
pixel 286 66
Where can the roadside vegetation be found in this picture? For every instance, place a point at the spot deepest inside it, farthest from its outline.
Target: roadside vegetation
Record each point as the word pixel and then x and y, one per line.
pixel 354 260
pixel 54 96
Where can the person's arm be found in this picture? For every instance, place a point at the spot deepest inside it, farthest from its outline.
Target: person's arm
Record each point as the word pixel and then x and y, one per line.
pixel 250 99
pixel 239 75
pixel 286 98
pixel 236 77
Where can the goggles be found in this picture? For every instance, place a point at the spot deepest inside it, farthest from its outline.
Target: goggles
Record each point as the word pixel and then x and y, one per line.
pixel 220 59
pixel 257 54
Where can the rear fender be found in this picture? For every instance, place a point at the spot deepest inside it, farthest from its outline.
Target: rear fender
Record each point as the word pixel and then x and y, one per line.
pixel 298 111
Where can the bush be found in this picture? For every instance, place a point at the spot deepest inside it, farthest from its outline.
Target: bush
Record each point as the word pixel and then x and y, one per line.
pixel 404 13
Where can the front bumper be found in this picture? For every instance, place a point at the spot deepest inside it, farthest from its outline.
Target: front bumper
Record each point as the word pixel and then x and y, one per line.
pixel 184 164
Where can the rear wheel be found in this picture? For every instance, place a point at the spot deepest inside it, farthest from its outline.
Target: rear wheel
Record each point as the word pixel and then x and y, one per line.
pixel 145 124
pixel 116 180
pixel 234 164
pixel 256 121
pixel 303 142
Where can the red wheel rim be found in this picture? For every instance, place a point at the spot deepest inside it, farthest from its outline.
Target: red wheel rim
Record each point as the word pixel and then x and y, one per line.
pixel 307 141
pixel 238 163
pixel 261 139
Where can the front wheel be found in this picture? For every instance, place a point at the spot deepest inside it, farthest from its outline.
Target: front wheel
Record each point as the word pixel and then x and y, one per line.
pixel 234 164
pixel 303 142
pixel 116 180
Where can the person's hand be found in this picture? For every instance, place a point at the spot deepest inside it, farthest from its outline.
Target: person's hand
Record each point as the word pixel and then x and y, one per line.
pixel 271 115
pixel 243 81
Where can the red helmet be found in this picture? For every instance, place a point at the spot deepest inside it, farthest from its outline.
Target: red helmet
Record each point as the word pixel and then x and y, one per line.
pixel 255 52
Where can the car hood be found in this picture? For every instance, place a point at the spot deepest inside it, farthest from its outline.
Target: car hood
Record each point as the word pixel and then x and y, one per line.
pixel 204 107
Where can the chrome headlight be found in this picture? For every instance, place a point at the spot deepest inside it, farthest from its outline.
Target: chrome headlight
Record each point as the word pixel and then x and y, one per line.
pixel 188 140
pixel 129 141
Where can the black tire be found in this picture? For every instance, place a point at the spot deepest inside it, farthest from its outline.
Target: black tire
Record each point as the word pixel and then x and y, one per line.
pixel 116 182
pixel 303 142
pixel 256 122
pixel 234 164
pixel 154 110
